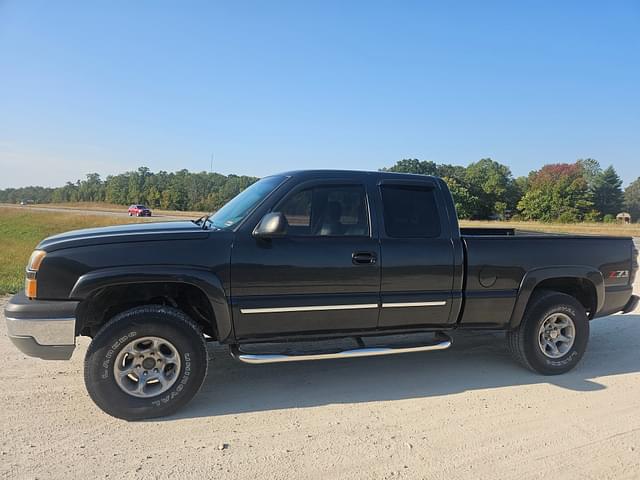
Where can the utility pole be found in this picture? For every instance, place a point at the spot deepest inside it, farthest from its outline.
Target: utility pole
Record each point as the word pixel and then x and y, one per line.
pixel 211 165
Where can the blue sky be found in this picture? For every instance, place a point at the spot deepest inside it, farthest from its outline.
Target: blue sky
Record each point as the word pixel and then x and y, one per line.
pixel 271 86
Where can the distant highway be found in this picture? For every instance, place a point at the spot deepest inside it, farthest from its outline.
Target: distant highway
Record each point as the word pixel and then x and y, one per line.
pixel 80 211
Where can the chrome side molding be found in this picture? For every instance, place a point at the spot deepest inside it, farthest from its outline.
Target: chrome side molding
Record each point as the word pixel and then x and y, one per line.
pixel 254 358
pixel 309 308
pixel 357 306
pixel 438 303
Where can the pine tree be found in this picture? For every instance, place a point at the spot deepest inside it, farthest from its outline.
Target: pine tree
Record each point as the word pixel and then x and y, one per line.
pixel 607 192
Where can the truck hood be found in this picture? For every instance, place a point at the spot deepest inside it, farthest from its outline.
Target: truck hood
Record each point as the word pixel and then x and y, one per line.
pixel 138 232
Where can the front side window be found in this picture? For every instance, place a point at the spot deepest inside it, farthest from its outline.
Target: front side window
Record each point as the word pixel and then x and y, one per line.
pixel 337 210
pixel 410 211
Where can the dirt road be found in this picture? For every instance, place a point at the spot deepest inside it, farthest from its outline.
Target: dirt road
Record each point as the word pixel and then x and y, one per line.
pixel 468 412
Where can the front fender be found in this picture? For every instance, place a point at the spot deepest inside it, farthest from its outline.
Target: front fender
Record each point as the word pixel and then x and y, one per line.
pixel 205 280
pixel 533 278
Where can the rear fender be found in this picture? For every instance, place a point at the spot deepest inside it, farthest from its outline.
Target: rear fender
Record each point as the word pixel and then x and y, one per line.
pixel 533 278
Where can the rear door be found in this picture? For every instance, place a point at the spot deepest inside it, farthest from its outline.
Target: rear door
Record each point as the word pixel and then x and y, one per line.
pixel 417 255
pixel 324 275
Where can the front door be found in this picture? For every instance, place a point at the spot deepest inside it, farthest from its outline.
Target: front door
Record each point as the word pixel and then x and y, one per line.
pixel 324 275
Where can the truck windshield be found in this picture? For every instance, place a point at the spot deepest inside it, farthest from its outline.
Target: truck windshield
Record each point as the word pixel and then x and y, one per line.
pixel 242 204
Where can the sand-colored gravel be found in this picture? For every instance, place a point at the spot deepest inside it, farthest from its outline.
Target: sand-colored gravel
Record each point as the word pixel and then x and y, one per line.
pixel 468 412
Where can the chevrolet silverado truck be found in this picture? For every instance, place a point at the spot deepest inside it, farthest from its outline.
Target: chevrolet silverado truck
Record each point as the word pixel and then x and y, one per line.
pixel 308 265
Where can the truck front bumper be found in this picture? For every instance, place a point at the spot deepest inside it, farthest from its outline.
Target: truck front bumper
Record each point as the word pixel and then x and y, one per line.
pixel 42 328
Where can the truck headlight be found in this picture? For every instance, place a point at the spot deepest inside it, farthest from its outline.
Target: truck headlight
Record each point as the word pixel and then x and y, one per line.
pixel 30 284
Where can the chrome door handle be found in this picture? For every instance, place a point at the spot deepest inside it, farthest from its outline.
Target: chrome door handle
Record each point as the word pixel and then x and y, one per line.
pixel 363 258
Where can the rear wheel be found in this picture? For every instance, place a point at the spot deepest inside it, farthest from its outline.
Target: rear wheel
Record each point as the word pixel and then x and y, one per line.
pixel 145 362
pixel 553 334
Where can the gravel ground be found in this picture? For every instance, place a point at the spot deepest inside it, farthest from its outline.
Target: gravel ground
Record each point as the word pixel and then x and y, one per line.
pixel 468 412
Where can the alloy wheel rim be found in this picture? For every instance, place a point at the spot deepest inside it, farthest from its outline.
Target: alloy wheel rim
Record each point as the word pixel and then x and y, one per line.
pixel 556 335
pixel 147 366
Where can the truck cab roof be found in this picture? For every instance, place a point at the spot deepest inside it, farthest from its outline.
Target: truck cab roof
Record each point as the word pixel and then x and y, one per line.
pixel 354 174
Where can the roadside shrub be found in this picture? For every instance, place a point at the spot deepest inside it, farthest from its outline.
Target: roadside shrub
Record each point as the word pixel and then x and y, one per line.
pixel 567 217
pixel 592 216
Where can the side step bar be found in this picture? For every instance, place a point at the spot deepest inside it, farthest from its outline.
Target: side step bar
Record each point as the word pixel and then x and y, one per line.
pixel 254 358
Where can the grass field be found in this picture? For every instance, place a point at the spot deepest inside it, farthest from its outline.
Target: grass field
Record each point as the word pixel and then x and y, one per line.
pixel 21 230
pixel 615 229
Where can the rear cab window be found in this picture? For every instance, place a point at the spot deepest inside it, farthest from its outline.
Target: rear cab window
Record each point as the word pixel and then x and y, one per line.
pixel 410 211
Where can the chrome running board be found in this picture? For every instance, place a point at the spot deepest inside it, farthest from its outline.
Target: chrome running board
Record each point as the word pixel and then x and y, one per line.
pixel 256 358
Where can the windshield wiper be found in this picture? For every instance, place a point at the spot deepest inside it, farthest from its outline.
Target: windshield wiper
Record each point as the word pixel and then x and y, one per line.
pixel 202 220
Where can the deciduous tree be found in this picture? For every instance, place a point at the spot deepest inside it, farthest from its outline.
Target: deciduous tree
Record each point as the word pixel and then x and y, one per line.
pixel 557 192
pixel 632 199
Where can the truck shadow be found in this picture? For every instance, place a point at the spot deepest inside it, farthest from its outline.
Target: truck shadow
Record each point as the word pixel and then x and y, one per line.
pixel 475 361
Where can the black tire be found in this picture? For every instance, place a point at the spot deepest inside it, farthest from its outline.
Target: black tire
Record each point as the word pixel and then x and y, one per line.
pixel 523 341
pixel 145 321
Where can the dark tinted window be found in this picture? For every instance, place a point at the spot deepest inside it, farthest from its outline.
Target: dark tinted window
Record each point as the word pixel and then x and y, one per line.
pixel 327 211
pixel 297 209
pixel 410 211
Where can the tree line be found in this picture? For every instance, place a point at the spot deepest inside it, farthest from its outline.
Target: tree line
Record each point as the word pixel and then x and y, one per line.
pixel 559 192
pixel 181 190
pixel 486 189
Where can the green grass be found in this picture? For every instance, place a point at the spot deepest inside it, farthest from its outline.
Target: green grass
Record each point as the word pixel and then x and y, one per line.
pixel 21 230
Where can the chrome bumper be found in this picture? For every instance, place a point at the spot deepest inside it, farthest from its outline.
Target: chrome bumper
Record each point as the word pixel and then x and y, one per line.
pixel 45 331
pixel 49 339
pixel 42 329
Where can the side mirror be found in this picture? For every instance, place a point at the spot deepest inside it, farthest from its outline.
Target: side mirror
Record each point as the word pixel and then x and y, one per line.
pixel 272 225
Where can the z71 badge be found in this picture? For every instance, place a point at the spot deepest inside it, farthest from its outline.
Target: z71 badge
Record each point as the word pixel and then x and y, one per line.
pixel 619 274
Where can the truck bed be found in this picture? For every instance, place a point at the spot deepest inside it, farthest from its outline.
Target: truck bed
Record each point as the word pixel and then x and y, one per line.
pixel 494 278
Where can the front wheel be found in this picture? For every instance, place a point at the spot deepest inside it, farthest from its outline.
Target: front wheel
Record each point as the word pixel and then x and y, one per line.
pixel 146 362
pixel 553 334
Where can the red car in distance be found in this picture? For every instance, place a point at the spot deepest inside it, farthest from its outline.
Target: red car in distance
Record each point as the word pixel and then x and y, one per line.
pixel 139 211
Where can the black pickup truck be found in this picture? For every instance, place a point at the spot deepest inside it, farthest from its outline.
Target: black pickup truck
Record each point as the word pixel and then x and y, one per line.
pixel 308 265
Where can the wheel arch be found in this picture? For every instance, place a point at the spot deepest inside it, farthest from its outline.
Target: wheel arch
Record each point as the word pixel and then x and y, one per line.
pixel 584 283
pixel 105 292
